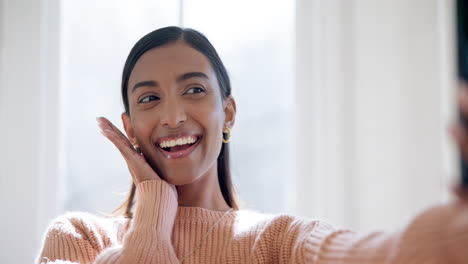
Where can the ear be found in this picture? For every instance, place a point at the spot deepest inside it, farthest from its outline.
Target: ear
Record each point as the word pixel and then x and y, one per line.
pixel 230 111
pixel 128 127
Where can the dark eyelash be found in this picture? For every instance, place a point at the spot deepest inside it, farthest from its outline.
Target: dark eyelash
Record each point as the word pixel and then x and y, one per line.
pixel 141 101
pixel 197 87
pixel 201 90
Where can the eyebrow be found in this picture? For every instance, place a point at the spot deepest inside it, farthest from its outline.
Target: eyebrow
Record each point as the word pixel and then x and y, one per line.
pixel 180 78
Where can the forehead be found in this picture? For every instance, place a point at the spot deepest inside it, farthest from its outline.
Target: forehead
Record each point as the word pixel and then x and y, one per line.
pixel 167 62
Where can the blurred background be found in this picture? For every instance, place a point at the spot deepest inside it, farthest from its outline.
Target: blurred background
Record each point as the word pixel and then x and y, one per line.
pixel 343 106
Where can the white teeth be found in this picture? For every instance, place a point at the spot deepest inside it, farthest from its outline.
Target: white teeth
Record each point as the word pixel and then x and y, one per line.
pixel 179 141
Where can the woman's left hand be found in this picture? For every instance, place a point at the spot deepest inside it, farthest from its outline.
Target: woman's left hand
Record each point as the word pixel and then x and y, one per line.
pixel 136 162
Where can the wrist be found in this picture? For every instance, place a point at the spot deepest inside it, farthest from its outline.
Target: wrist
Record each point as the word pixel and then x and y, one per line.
pixel 156 206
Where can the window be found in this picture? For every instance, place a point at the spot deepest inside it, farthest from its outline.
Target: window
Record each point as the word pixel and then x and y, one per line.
pixel 258 51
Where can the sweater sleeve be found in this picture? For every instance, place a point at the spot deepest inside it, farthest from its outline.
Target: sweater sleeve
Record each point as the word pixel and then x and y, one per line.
pixel 148 239
pixel 438 235
pixel 69 240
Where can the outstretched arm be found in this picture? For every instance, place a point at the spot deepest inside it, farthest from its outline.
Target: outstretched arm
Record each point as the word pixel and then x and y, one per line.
pixel 437 235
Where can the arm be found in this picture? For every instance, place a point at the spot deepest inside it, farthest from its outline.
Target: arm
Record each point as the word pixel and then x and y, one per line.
pixel 437 235
pixel 66 243
pixel 148 239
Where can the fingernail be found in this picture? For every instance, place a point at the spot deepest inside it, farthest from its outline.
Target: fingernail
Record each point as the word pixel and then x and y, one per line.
pixel 105 132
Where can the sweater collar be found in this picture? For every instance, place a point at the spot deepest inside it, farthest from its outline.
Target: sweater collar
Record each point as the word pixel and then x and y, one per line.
pixel 188 212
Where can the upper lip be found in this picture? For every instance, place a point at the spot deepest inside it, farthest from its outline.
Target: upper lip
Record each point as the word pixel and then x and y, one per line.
pixel 175 136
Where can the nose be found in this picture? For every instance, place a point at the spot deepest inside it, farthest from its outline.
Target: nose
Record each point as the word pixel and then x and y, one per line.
pixel 173 114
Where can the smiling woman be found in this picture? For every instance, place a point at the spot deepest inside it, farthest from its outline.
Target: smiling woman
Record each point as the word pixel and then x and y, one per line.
pixel 177 121
pixel 181 92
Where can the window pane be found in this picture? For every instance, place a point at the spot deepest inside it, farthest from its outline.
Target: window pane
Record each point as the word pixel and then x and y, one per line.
pixel 255 39
pixel 258 51
pixel 96 42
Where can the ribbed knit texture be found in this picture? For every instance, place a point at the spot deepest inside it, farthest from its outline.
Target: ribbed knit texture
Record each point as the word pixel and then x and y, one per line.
pixel 162 232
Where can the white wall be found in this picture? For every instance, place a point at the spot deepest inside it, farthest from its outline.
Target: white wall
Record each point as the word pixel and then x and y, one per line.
pixel 384 93
pixel 28 100
pixel 399 124
pixel 324 163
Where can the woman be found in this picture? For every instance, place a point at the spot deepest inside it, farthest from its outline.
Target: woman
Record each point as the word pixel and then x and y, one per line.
pixel 178 115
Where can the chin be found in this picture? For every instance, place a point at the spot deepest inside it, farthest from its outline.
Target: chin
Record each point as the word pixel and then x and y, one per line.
pixel 180 178
pixel 180 182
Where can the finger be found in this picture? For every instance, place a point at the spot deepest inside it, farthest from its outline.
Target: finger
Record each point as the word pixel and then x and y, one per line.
pixel 139 169
pixel 136 163
pixel 118 139
pixel 123 138
pixel 105 123
pixel 119 133
pixel 124 148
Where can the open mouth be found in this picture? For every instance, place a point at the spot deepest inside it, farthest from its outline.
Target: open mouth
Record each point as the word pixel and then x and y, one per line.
pixel 181 147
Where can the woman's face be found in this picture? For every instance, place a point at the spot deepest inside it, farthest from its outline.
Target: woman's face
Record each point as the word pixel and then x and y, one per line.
pixel 174 95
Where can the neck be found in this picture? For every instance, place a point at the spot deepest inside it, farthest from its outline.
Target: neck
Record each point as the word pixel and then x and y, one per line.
pixel 204 192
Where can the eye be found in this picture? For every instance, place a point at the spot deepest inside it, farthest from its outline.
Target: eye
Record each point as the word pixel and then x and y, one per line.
pixel 144 99
pixel 195 90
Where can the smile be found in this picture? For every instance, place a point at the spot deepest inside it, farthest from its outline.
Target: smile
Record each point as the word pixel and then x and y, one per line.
pixel 179 147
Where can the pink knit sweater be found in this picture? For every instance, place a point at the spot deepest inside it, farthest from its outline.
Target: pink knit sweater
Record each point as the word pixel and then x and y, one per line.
pixel 162 232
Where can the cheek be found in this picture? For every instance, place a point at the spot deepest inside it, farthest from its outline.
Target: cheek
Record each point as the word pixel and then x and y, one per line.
pixel 211 119
pixel 143 130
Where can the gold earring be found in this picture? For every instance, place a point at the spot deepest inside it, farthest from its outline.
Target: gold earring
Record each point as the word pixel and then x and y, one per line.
pixel 135 146
pixel 228 135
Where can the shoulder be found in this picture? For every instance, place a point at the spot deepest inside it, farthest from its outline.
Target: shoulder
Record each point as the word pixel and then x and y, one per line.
pixel 251 217
pixel 248 219
pixel 82 235
pixel 283 236
pixel 81 225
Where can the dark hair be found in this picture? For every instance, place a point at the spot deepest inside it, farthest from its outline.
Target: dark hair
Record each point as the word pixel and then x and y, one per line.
pixel 198 41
